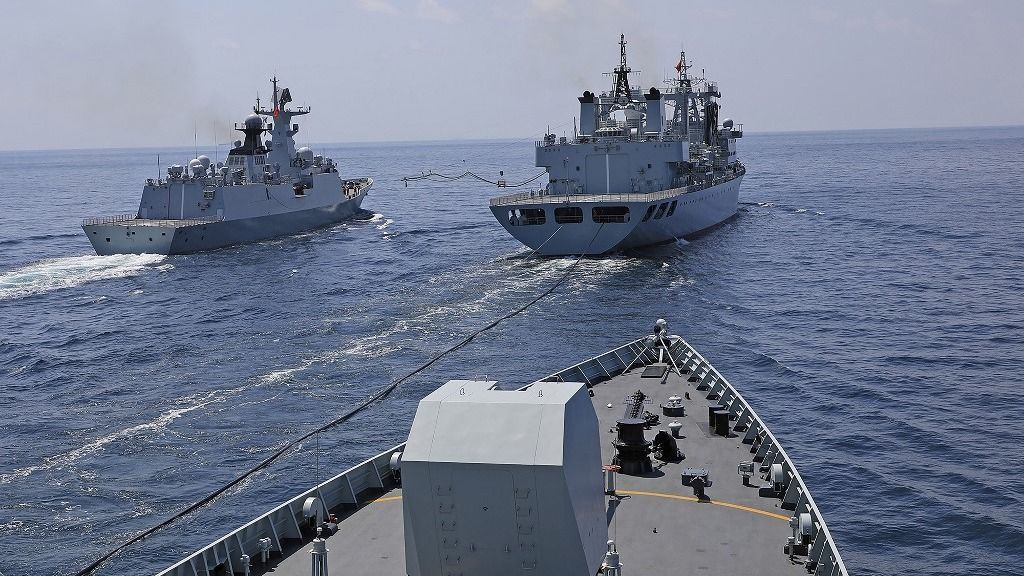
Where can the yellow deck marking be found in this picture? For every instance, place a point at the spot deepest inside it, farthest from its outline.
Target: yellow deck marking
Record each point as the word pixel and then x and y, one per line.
pixel 715 502
pixel 654 495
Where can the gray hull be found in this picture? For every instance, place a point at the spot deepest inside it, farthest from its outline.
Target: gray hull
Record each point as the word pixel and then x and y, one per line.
pixel 694 212
pixel 144 236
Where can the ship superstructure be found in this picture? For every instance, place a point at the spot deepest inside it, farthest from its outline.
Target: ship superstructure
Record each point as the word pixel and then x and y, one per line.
pixel 267 188
pixel 642 168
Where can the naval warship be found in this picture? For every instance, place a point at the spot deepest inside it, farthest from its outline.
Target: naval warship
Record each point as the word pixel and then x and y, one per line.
pixel 644 456
pixel 643 168
pixel 266 189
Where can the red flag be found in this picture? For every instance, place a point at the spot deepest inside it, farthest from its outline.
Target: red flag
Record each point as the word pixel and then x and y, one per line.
pixel 679 66
pixel 276 112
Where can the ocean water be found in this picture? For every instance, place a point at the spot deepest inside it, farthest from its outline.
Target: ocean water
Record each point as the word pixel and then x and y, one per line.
pixel 867 300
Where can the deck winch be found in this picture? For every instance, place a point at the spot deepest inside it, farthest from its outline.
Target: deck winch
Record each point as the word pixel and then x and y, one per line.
pixel 632 450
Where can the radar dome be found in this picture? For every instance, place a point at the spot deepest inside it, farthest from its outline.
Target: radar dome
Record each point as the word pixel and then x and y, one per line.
pixel 205 160
pixel 727 123
pixel 253 121
pixel 304 154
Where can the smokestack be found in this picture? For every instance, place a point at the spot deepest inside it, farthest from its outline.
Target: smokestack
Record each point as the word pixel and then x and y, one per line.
pixel 588 114
pixel 655 112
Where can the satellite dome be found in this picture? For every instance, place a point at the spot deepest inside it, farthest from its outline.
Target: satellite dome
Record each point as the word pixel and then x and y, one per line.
pixel 304 154
pixel 196 167
pixel 727 123
pixel 253 121
pixel 205 160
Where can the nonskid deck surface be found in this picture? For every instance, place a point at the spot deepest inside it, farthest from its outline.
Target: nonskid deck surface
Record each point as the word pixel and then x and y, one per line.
pixel 658 524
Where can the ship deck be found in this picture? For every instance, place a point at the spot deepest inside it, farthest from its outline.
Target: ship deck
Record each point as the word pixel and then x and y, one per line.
pixel 658 524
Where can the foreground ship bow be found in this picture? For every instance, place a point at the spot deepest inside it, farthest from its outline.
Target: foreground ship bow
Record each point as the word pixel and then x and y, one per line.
pixel 644 456
pixel 634 174
pixel 267 189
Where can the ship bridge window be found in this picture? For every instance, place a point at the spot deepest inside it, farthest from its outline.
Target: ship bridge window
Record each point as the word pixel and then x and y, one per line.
pixel 569 215
pixel 610 214
pixel 661 210
pixel 526 217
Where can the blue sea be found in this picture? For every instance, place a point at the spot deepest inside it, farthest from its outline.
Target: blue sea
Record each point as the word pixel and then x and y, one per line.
pixel 868 300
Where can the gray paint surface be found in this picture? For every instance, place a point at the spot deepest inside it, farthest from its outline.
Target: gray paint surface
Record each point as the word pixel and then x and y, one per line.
pixel 676 174
pixel 266 189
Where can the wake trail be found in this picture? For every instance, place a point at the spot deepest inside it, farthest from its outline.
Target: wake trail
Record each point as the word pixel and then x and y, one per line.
pixel 69 272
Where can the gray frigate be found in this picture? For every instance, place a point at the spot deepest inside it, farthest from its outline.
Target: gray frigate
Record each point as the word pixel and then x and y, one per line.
pixel 643 168
pixel 268 188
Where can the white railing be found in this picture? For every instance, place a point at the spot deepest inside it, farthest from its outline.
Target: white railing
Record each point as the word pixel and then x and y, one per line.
pixel 541 197
pixel 288 521
pixel 136 221
pixel 109 219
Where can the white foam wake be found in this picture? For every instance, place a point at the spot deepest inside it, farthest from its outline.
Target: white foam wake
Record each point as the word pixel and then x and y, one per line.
pixel 59 273
pixel 161 422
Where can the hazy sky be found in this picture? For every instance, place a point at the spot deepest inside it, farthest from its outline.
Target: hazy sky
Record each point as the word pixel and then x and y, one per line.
pixel 90 74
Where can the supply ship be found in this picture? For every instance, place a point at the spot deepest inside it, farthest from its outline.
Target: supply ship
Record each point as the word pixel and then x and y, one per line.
pixel 266 189
pixel 642 168
pixel 644 456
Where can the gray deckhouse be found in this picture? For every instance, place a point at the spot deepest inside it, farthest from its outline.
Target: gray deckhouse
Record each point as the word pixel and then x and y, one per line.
pixel 627 144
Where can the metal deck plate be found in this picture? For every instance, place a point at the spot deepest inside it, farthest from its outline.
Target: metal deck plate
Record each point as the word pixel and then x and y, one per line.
pixel 659 525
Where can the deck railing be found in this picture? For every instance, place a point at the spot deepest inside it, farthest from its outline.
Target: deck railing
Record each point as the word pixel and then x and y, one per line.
pixel 109 219
pixel 822 556
pixel 288 523
pixel 135 220
pixel 541 197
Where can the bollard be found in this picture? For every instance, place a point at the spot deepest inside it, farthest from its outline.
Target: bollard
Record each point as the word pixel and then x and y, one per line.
pixel 611 565
pixel 609 478
pixel 264 550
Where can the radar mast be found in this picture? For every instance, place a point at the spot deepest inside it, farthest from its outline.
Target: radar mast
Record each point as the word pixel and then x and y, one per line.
pixel 622 93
